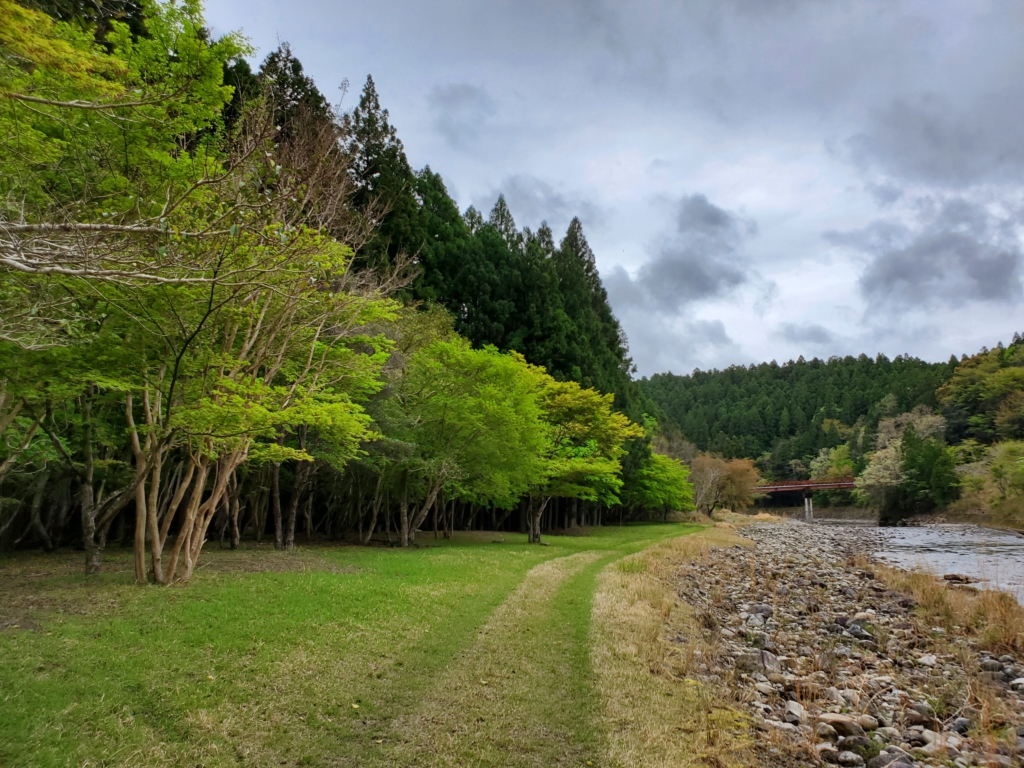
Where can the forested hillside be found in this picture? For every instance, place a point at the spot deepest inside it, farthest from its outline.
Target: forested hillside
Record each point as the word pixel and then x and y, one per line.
pixel 917 437
pixel 231 310
pixel 792 411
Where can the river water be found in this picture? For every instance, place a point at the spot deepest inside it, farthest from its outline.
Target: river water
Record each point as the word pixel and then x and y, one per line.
pixel 994 557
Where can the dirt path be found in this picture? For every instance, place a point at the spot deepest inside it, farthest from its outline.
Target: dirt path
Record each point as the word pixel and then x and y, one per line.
pixel 519 695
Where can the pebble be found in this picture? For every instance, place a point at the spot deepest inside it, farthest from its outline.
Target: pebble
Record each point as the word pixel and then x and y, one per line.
pixel 832 658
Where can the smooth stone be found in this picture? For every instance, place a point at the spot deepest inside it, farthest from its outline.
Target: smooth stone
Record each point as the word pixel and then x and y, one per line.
pixel 913 717
pixel 784 727
pixel 850 758
pixel 884 759
pixel 796 709
pixel 867 722
pixel 826 732
pixel 855 742
pixel 843 724
pixel 938 748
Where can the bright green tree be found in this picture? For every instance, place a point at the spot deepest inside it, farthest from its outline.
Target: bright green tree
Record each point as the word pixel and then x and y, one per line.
pixel 471 421
pixel 662 484
pixel 582 458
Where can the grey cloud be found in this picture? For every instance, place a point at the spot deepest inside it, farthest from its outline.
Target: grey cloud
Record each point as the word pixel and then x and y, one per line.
pixel 905 98
pixel 876 236
pixel 700 259
pixel 698 343
pixel 806 333
pixel 930 139
pixel 947 267
pixel 533 200
pixel 460 111
pixel 959 252
pixel 885 193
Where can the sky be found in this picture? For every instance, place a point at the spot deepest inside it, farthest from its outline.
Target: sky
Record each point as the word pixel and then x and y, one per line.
pixel 759 179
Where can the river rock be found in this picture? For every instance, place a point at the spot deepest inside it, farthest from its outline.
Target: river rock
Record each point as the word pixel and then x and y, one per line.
pixel 849 758
pixel 889 734
pixel 814 641
pixel 796 710
pixel 826 732
pixel 844 725
pixel 867 722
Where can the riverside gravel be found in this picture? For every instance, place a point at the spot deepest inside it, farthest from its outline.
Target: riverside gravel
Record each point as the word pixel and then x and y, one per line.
pixel 835 667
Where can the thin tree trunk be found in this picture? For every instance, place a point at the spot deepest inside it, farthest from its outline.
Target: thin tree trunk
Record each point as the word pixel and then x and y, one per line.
pixel 421 516
pixel 377 497
pixel 275 505
pixel 537 515
pixel 93 551
pixel 404 510
pixel 236 502
pixel 16 451
pixel 37 504
pixel 302 472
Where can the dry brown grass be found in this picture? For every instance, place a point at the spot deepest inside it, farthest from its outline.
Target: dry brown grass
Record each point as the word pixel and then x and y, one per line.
pixel 994 619
pixel 973 620
pixel 646 647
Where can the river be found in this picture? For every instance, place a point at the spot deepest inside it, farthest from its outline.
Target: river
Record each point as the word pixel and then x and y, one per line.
pixel 994 557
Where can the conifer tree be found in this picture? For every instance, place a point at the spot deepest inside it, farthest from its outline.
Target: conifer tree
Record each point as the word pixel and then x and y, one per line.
pixel 385 182
pixel 290 88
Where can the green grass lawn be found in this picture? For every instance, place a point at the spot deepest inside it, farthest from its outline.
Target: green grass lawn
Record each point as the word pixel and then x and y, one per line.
pixel 335 656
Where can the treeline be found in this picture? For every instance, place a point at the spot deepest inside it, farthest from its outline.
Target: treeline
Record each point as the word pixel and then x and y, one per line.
pixel 783 415
pixel 229 309
pixel 917 437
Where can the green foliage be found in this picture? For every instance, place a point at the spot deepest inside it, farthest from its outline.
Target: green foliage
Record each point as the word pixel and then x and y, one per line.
pixel 984 399
pixel 929 469
pixel 787 413
pixel 1007 469
pixel 663 483
pixel 470 420
pixel 585 442
pixel 385 182
pixel 832 464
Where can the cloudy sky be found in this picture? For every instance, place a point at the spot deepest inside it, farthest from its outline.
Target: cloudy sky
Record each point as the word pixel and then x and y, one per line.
pixel 758 179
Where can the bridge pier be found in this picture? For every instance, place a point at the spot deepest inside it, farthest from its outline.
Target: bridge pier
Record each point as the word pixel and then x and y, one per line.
pixel 808 508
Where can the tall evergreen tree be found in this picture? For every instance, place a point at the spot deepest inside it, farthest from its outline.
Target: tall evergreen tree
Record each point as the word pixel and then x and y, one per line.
pixel 385 182
pixel 292 92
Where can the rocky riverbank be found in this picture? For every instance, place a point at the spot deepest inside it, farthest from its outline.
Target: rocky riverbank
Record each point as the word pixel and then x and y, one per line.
pixel 836 667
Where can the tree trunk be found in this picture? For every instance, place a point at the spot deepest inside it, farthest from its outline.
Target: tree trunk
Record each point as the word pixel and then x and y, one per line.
pixel 236 503
pixel 37 505
pixel 536 519
pixel 275 505
pixel 404 510
pixel 378 496
pixel 93 551
pixel 421 516
pixel 302 472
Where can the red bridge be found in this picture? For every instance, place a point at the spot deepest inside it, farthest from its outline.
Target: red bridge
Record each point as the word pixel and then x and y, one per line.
pixel 806 486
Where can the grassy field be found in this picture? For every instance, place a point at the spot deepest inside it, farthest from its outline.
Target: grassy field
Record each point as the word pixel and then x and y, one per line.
pixel 471 652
